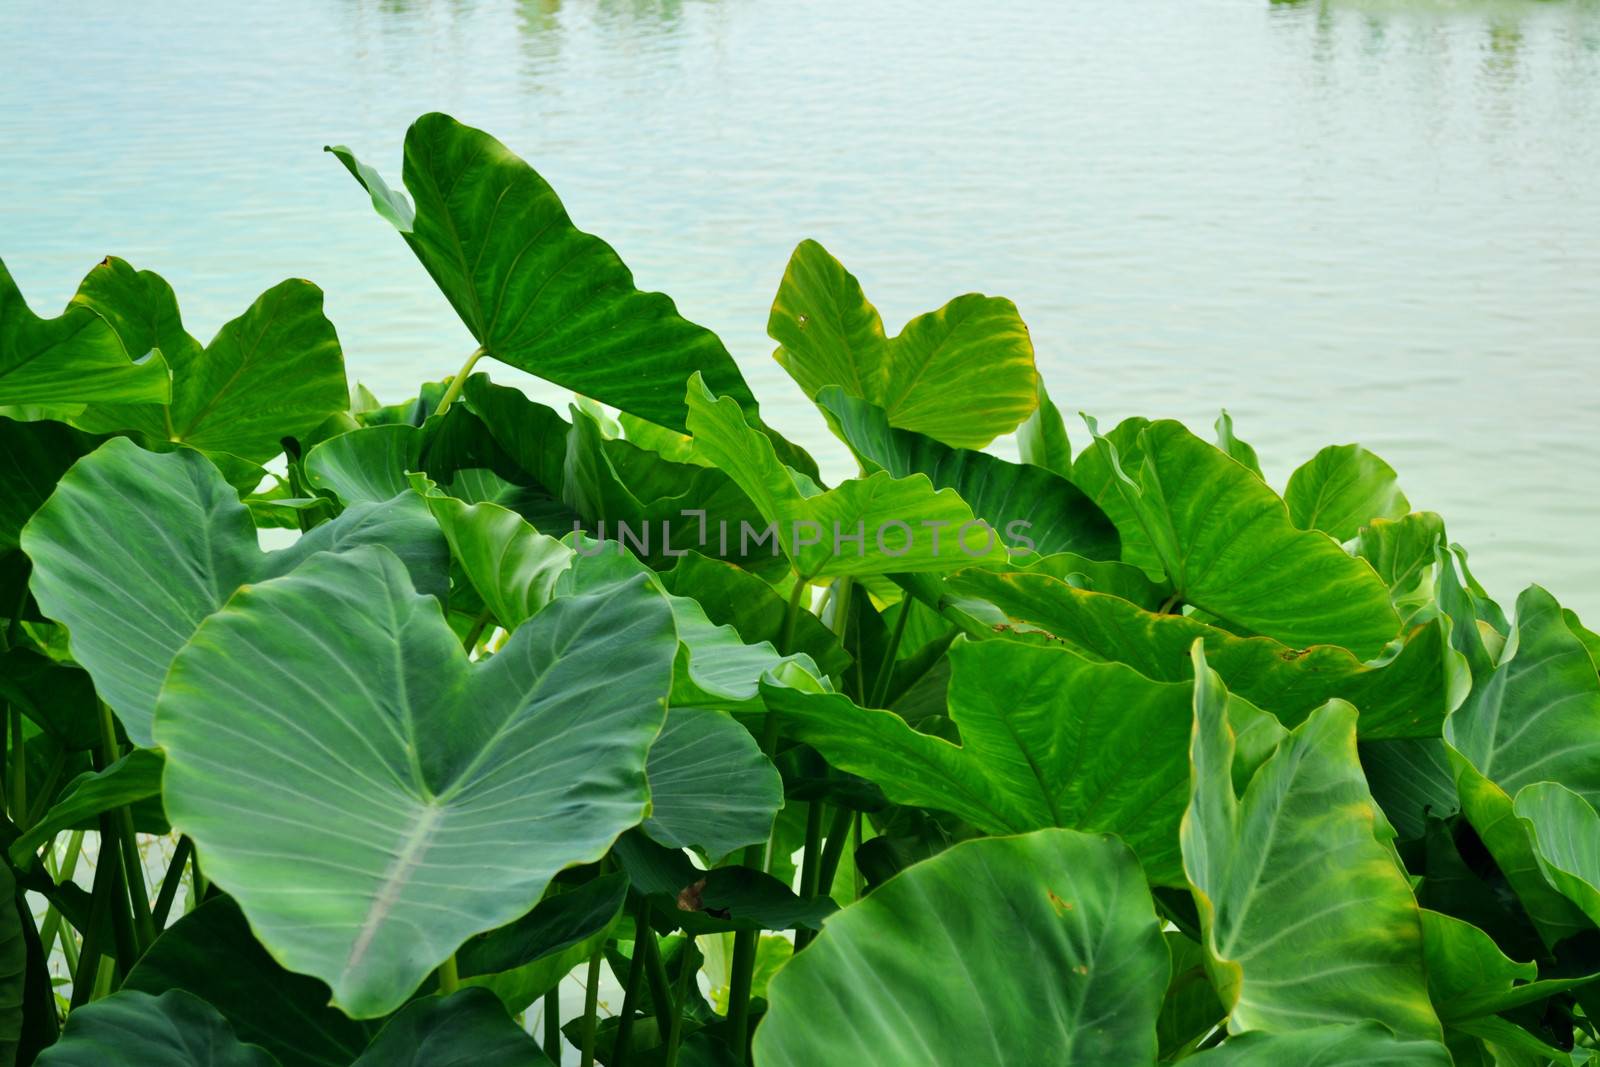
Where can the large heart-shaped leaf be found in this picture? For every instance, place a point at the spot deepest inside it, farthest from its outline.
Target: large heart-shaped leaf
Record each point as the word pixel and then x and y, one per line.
pixel 211 953
pixel 135 548
pixel 1009 951
pixel 176 1029
pixel 1348 1045
pixel 466 1029
pixel 1406 696
pixel 1227 543
pixel 711 787
pixel 274 372
pixel 1532 717
pixel 963 374
pixel 1341 489
pixel 535 291
pixel 349 776
pixel 76 358
pixel 1031 507
pixel 874 525
pixel 1307 914
pixel 1048 738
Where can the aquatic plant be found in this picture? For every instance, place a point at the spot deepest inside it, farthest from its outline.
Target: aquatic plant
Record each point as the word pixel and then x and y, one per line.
pixel 1110 755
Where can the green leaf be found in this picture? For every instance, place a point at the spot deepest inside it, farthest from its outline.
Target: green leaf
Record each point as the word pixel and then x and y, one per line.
pixel 1042 437
pixel 732 596
pixel 1048 738
pixel 716 900
pixel 513 567
pixel 135 548
pixel 1239 451
pixel 1565 832
pixel 1229 547
pixel 906 514
pixel 366 465
pixel 525 959
pixel 1403 551
pixel 1341 489
pixel 1469 976
pixel 337 697
pixel 534 290
pixel 1307 915
pixel 1352 1045
pixel 711 787
pixel 466 1029
pixel 211 952
pixel 134 777
pixel 59 697
pixel 1406 696
pixel 1030 506
pixel 1534 717
pixel 33 457
pixel 13 968
pixel 1412 780
pixel 176 1029
pixel 912 975
pixel 274 372
pixel 1094 473
pixel 1190 1009
pixel 76 358
pixel 962 375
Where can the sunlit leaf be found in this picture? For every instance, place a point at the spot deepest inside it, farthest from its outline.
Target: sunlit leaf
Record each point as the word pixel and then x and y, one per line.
pixel 350 850
pixel 962 375
pixel 135 548
pixel 533 289
pixel 918 972
pixel 76 358
pixel 1341 489
pixel 1307 915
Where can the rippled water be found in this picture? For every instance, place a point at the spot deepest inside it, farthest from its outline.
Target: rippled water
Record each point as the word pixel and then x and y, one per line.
pixel 1343 221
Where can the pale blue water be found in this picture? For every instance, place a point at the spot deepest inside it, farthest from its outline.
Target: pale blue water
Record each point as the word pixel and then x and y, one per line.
pixel 1373 222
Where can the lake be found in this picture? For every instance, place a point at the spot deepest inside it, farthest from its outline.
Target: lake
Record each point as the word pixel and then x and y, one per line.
pixel 1362 221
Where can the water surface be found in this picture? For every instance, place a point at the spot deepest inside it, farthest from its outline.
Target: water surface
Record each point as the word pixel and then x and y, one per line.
pixel 1376 222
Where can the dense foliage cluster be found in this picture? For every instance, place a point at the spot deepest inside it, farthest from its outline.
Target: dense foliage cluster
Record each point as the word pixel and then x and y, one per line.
pixel 1142 762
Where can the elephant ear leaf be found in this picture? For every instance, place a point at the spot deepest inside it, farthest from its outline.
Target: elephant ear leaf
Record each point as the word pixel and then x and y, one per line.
pixel 408 764
pixel 1342 1045
pixel 469 1027
pixel 1227 543
pixel 901 975
pixel 1341 489
pixel 962 375
pixel 832 532
pixel 276 371
pixel 535 291
pixel 1306 914
pixel 711 787
pixel 135 548
pixel 176 1029
pixel 1526 743
pixel 76 358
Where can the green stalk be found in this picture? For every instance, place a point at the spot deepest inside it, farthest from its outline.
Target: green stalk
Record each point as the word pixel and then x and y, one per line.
pixel 83 976
pixel 459 381
pixel 622 1047
pixel 19 770
pixel 680 992
pixel 121 827
pixel 654 969
pixel 197 882
pixel 470 642
pixel 880 684
pixel 552 1024
pixel 1170 603
pixel 41 802
pixel 449 976
pixel 591 1007
pixel 69 866
pixel 170 883
pixel 810 863
pixel 833 851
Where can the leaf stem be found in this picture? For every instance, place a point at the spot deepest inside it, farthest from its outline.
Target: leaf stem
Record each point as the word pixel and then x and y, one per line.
pixel 832 852
pixel 169 884
pixel 680 993
pixel 591 1007
pixel 880 684
pixel 810 864
pixel 459 381
pixel 120 825
pixel 1170 603
pixel 449 976
pixel 552 1024
pixel 622 1046
pixel 83 976
pixel 19 771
